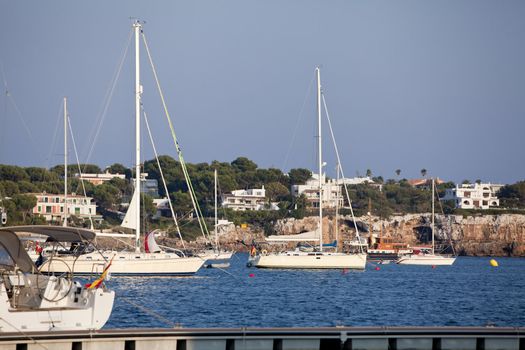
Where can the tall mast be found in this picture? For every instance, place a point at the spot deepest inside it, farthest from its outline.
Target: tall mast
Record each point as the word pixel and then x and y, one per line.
pixel 320 159
pixel 337 209
pixel 138 90
pixel 433 189
pixel 216 237
pixel 65 162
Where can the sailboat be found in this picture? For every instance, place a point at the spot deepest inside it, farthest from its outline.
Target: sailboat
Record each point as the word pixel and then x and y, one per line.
pixel 214 256
pixel 137 262
pixel 34 301
pixel 425 256
pixel 311 258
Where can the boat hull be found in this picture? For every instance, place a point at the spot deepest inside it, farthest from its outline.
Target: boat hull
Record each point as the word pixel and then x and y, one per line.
pixel 324 261
pixel 126 264
pixel 427 259
pixel 89 309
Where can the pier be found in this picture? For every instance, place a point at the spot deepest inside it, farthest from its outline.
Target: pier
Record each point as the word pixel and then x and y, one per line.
pixel 340 338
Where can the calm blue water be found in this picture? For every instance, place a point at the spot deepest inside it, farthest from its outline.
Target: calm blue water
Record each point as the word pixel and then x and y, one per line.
pixel 470 293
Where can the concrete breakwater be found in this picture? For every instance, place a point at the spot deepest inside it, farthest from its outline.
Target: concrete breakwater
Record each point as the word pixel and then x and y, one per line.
pixel 487 235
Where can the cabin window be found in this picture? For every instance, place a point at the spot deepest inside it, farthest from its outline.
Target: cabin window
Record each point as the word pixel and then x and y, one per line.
pixel 5 258
pixel 137 257
pixel 88 258
pixel 122 257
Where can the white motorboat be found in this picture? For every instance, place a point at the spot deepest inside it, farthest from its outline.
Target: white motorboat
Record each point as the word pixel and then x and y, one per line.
pixel 34 301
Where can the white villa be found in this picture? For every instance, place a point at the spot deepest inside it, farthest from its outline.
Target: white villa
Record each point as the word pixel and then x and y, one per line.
pixel 331 192
pixel 98 179
pixel 51 206
pixel 473 196
pixel 251 199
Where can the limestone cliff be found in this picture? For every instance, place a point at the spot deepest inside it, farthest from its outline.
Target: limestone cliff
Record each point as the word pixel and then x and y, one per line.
pixel 496 235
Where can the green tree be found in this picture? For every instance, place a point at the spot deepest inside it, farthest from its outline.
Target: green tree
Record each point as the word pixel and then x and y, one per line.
pixel 423 172
pixel 276 191
pixel 244 164
pixel 398 172
pixel 8 188
pixel 107 196
pixel 117 168
pixel 13 173
pixel 299 176
pixel 24 204
pixel 368 173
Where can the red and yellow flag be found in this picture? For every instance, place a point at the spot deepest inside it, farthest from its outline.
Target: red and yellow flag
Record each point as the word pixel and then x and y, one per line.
pixel 96 283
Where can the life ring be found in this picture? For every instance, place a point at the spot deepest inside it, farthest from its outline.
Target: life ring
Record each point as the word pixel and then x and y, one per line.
pixel 264 252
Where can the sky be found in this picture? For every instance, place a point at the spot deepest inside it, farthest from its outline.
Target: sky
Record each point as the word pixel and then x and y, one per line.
pixel 438 85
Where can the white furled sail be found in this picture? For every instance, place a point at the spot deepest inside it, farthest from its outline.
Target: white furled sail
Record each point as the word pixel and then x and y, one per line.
pixel 150 245
pixel 130 220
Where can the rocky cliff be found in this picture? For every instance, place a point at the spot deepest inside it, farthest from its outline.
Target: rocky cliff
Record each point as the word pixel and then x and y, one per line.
pixel 496 235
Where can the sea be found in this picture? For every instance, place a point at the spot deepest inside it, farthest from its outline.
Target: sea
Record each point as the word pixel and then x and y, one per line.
pixel 469 293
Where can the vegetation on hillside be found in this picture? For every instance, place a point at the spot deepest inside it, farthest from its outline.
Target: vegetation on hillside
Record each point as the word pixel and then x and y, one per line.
pixel 392 197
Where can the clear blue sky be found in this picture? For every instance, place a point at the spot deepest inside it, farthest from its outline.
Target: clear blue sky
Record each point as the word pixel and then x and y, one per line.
pixel 409 84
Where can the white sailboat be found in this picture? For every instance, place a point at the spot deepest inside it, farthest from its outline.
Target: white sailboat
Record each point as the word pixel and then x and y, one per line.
pixel 425 257
pixel 136 263
pixel 216 257
pixel 311 259
pixel 33 301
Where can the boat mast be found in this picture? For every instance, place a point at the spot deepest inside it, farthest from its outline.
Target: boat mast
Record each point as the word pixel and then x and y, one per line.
pixel 337 209
pixel 216 238
pixel 138 90
pixel 433 189
pixel 65 162
pixel 320 159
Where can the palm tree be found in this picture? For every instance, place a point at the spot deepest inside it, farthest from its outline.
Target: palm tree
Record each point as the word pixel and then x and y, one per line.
pixel 423 172
pixel 368 172
pixel 398 171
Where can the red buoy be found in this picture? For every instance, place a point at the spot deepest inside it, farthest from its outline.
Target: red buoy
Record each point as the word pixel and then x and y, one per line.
pixel 377 268
pixel 251 275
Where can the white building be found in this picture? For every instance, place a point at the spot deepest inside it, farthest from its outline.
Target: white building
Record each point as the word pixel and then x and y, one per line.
pixel 98 179
pixel 331 192
pixel 355 180
pixel 473 196
pixel 251 199
pixel 51 206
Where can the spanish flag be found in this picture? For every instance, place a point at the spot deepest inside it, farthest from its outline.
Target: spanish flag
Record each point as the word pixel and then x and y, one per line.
pixel 96 283
pixel 253 251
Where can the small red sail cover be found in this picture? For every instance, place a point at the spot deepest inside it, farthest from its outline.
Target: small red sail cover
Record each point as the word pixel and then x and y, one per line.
pixel 150 245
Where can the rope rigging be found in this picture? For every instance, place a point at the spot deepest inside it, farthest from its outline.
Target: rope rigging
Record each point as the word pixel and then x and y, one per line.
pixel 198 212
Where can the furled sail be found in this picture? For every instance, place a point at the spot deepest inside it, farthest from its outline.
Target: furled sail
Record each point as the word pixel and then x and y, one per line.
pixel 130 220
pixel 150 245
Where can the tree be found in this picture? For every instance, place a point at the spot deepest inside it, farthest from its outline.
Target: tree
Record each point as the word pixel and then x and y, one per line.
pixel 12 173
pixel 423 172
pixel 275 191
pixel 24 204
pixel 398 172
pixel 117 168
pixel 244 164
pixel 106 195
pixel 368 173
pixel 8 188
pixel 299 176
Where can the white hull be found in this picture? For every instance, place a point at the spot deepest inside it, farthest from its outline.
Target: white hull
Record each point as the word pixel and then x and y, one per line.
pixel 426 259
pixel 127 264
pixel 294 260
pixel 89 309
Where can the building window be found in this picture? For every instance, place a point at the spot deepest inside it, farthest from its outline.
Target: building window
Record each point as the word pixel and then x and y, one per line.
pixel 485 202
pixel 61 209
pixel 48 209
pixel 45 199
pixel 466 202
pixel 39 209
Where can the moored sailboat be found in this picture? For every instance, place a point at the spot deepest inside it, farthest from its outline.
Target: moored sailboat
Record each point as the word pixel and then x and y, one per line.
pixel 427 256
pixel 315 258
pixel 137 262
